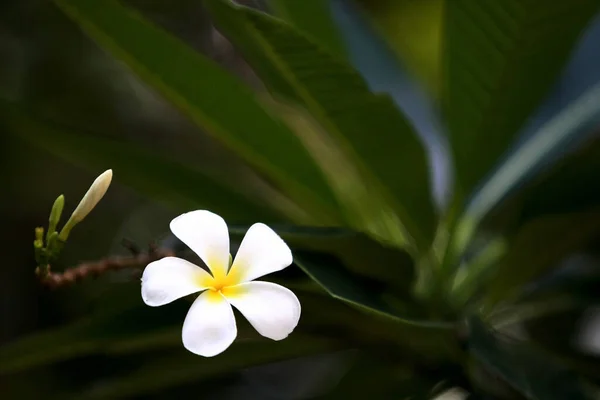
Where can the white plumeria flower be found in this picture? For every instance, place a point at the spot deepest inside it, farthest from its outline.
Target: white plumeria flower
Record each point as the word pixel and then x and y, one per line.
pixel 209 327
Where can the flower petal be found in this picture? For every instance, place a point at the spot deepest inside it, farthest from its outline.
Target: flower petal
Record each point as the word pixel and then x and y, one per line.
pixel 262 252
pixel 274 311
pixel 171 278
pixel 206 234
pixel 209 327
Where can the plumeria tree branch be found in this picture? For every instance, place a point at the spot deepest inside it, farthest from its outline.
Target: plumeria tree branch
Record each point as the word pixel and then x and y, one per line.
pixel 96 268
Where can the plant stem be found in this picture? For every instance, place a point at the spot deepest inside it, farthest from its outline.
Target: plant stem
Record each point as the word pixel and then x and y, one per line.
pixel 99 267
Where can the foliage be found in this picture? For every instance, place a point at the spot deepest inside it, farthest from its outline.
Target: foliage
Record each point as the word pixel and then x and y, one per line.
pixel 430 294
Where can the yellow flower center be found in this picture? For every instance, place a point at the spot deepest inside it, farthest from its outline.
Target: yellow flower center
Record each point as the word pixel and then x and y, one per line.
pixel 222 282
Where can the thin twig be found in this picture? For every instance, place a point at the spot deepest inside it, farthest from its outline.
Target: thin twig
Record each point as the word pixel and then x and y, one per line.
pixel 131 246
pixel 96 268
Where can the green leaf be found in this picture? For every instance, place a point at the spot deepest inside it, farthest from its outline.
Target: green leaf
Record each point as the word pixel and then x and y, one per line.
pixel 330 274
pixel 492 51
pixel 313 17
pixel 580 117
pixel 211 97
pixel 532 374
pixel 467 280
pixel 541 244
pixel 155 175
pixel 367 128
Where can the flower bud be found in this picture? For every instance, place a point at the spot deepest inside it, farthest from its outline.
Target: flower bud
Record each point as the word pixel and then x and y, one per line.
pixel 55 215
pixel 88 202
pixel 38 245
pixel 39 235
pixel 51 244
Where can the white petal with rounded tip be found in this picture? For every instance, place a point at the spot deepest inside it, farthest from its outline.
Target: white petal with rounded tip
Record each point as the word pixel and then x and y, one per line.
pixel 274 311
pixel 209 327
pixel 262 252
pixel 169 279
pixel 206 234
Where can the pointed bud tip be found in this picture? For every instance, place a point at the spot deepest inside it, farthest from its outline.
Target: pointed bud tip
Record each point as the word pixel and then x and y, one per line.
pixel 55 214
pixel 101 183
pixel 58 205
pixel 106 175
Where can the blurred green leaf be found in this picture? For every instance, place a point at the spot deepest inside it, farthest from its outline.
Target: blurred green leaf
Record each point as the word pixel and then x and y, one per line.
pixel 372 377
pixel 532 374
pixel 313 17
pixel 131 329
pixel 578 176
pixel 378 377
pixel 211 97
pixel 412 29
pixel 491 52
pixel 467 280
pixel 167 371
pixel 577 280
pixel 153 174
pixel 359 253
pixel 572 184
pixel 392 162
pixel 540 244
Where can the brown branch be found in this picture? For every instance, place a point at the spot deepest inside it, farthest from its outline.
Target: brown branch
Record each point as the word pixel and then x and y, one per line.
pixel 96 268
